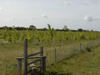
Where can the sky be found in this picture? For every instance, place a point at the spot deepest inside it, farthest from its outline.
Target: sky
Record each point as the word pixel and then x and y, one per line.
pixel 74 14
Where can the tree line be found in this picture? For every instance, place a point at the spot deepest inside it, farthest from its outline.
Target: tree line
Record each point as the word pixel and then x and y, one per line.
pixel 32 27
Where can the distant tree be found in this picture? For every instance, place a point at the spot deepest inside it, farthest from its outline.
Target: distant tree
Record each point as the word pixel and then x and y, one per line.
pixel 65 27
pixel 87 30
pixel 5 27
pixel 92 30
pixel 45 29
pixel 80 30
pixel 13 26
pixel 49 27
pixel 32 27
pixel 20 28
pixel 10 28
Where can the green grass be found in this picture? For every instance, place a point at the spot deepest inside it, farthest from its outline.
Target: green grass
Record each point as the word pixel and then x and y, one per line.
pixel 9 52
pixel 83 63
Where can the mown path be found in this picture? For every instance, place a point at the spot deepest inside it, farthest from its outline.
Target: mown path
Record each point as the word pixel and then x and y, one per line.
pixel 84 63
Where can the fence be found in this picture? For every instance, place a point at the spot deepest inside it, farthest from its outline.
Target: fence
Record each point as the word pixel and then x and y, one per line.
pixel 41 58
pixel 55 55
pixel 58 55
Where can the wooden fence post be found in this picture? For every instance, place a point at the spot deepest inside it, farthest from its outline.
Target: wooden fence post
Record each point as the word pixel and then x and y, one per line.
pixel 25 56
pixel 19 66
pixel 74 49
pixel 41 61
pixel 44 64
pixel 55 55
pixel 80 46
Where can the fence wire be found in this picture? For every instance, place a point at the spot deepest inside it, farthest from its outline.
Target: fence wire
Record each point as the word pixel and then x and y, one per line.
pixel 61 54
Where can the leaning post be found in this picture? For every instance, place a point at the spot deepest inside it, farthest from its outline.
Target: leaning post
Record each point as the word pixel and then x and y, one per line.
pixel 25 56
pixel 41 61
pixel 44 64
pixel 55 55
pixel 19 66
pixel 80 46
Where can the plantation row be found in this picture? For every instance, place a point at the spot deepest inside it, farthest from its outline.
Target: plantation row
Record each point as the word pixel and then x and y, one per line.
pixel 49 36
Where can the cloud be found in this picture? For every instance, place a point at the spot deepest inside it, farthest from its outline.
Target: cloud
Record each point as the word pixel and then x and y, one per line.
pixel 12 18
pixel 8 2
pixel 22 18
pixel 88 18
pixel 97 19
pixel 94 1
pixel 66 3
pixel 85 3
pixel 5 19
pixel 43 15
pixel 1 9
pixel 9 19
pixel 31 19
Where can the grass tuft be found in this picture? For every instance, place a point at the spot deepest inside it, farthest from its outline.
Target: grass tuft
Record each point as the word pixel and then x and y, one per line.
pixel 1 43
pixel 69 73
pixel 88 49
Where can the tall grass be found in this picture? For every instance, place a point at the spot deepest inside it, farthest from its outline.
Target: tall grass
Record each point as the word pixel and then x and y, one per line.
pixel 9 52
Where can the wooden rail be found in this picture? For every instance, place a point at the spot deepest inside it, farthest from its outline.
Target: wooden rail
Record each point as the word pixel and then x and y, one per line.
pixel 41 58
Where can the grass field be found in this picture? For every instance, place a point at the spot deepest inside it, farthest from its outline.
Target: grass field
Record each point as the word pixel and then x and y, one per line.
pixel 83 63
pixel 9 52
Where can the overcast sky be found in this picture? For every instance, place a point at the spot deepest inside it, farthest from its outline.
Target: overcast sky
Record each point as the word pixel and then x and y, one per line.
pixel 75 14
